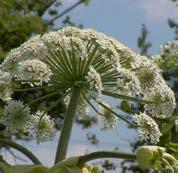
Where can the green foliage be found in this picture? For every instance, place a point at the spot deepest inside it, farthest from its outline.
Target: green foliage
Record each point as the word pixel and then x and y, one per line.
pixel 20 19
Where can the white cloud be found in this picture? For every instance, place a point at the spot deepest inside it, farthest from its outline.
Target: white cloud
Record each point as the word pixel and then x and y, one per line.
pixel 158 10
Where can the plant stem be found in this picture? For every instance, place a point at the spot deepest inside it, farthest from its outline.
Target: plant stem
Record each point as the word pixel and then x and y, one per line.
pixel 120 96
pixel 67 126
pixel 105 154
pixel 22 149
pixel 119 116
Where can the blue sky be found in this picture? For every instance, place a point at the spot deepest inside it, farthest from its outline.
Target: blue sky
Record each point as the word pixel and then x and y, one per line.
pixel 121 19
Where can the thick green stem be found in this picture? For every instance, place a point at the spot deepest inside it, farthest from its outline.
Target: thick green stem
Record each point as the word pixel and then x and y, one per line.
pixel 22 149
pixel 67 126
pixel 105 154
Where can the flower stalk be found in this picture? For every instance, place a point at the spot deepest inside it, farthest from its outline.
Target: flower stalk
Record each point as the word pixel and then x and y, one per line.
pixel 105 154
pixel 67 125
pixel 20 148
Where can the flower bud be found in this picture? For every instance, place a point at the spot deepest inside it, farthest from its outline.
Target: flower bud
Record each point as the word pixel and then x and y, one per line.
pixel 147 156
pixel 169 158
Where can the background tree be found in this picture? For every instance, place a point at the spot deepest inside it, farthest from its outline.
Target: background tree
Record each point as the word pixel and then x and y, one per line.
pixel 20 19
pixel 142 43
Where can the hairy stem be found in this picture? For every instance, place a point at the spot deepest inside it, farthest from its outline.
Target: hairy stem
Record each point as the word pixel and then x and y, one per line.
pixel 105 154
pixel 22 149
pixel 67 125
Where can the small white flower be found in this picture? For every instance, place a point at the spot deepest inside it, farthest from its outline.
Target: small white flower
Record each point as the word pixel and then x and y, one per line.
pixel 15 117
pixel 5 88
pixel 43 130
pixel 148 128
pixel 107 118
pixel 96 85
pixel 128 83
pixel 34 72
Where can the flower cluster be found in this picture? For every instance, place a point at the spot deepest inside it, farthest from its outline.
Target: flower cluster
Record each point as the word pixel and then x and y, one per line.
pixel 148 129
pixel 106 118
pixel 17 119
pixel 98 64
pixel 42 129
pixel 34 72
pixel 165 97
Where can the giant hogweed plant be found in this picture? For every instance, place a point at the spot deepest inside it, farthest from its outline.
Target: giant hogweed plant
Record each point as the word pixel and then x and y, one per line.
pixel 80 67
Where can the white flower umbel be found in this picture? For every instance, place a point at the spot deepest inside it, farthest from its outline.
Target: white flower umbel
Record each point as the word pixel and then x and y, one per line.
pixel 15 117
pixel 147 72
pixel 164 100
pixel 42 130
pixel 107 119
pixel 85 60
pixel 75 55
pixel 34 48
pixel 34 72
pixel 148 128
pixel 128 83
